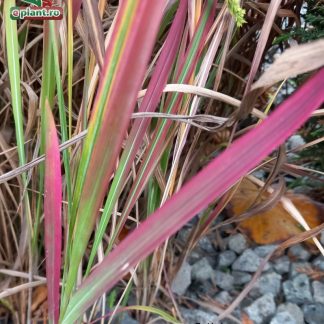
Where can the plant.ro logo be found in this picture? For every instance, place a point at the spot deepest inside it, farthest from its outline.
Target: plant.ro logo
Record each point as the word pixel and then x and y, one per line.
pixel 38 10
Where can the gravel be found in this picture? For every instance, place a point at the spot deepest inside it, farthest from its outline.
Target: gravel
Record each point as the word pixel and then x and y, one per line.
pixel 191 316
pixel 202 270
pixel 298 252
pixel 297 267
pixel 264 250
pixel 267 283
pixel 226 258
pixel 294 310
pixel 319 263
pixel 314 313
pixel 194 257
pixel 183 235
pixel 249 261
pixel 285 293
pixel 237 243
pixel 224 298
pixel 224 280
pixel 241 278
pixel 182 279
pixel 206 245
pixel 261 309
pixel 322 237
pixel 298 290
pixel 126 319
pixel 283 318
pixel 295 141
pixel 318 292
pixel 282 264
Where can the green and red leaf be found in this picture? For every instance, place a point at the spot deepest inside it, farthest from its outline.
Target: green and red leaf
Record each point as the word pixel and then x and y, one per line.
pixel 140 126
pixel 125 63
pixel 52 216
pixel 222 173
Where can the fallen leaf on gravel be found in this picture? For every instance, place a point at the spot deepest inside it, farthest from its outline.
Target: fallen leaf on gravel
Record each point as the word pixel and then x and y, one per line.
pixel 276 224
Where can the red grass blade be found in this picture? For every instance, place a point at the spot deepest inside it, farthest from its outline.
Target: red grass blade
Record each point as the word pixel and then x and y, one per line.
pixel 149 104
pixel 211 182
pixel 159 140
pixel 76 6
pixel 52 215
pixel 126 59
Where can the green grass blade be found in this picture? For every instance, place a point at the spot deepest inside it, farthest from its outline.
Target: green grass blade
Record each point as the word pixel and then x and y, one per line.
pixel 14 76
pixel 16 100
pixel 153 310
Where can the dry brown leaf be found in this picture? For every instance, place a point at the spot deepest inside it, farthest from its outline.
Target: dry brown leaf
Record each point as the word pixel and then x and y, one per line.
pixel 32 108
pixel 274 225
pixel 294 61
pixel 95 29
pixel 39 297
pixel 39 305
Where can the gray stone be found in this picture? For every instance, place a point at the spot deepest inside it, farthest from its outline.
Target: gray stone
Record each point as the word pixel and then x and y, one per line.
pixel 282 264
pixel 298 252
pixel 314 313
pixel 224 298
pixel 241 278
pixel 322 237
pixel 319 263
pixel 298 290
pixel 261 309
pixel 223 280
pixel 223 246
pixel 126 319
pixel 183 235
pixel 236 313
pixel 237 243
pixel 283 318
pixel 226 258
pixel 249 261
pixel 302 189
pixel 193 257
pixel 182 279
pixel 192 293
pixel 292 157
pixel 294 142
pixel 297 267
pixel 202 270
pixel 294 310
pixel 247 301
pixel 193 316
pixel 207 287
pixel 260 174
pixel 263 250
pixel 228 321
pixel 206 245
pixel 267 283
pixel 318 291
